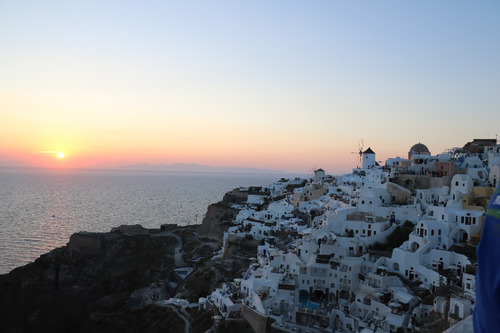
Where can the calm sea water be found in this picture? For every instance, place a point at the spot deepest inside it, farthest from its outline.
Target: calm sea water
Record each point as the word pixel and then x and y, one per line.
pixel 39 209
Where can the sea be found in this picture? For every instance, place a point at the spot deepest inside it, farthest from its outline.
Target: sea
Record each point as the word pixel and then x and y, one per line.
pixel 41 209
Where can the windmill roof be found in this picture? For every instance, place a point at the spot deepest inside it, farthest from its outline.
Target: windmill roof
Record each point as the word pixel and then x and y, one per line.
pixel 369 151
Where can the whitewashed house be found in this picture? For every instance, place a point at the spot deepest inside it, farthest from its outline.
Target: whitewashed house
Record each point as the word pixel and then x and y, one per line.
pixel 372 198
pixel 475 169
pixel 494 175
pixel 460 185
pixel 223 298
pixel 440 305
pixel 466 223
pixel 460 307
pixel 469 284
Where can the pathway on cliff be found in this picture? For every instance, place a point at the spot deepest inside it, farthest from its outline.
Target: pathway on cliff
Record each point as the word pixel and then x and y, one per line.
pixel 187 323
pixel 179 262
pixel 178 255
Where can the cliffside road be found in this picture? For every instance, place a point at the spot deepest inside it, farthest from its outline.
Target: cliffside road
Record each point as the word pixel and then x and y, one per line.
pixel 179 262
pixel 178 255
pixel 187 325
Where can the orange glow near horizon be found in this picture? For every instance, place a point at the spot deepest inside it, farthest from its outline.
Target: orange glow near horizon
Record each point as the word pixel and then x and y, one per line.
pixel 279 96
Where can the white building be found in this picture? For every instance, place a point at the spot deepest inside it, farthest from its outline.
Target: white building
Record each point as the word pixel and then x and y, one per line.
pixel 369 159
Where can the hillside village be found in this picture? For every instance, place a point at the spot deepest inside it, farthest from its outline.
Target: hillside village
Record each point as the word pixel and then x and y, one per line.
pixel 386 248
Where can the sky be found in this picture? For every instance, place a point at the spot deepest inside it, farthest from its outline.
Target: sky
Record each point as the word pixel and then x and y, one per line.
pixel 286 85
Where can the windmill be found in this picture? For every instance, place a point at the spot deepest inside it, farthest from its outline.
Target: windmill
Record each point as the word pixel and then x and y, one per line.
pixel 359 152
pixel 313 169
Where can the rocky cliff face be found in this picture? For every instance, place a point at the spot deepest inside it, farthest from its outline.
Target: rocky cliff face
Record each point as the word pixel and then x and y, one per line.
pixel 94 274
pixel 235 196
pixel 220 215
pixel 102 282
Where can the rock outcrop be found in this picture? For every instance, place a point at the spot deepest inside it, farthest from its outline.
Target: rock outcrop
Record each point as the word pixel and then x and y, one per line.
pixel 217 220
pixel 66 289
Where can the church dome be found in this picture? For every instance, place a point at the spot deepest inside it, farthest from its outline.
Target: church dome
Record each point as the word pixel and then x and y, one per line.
pixel 418 149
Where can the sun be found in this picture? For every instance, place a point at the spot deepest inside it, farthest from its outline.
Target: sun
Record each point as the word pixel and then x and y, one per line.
pixel 60 154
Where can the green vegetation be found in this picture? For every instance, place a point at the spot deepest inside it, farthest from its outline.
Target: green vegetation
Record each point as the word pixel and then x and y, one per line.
pixel 396 238
pixel 400 235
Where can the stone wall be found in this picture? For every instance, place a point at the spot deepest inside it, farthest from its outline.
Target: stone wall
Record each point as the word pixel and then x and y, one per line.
pixel 255 319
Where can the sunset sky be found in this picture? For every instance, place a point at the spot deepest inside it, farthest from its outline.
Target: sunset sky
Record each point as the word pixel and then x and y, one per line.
pixel 288 85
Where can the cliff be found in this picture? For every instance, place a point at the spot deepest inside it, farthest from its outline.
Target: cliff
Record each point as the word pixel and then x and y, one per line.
pixel 95 272
pixel 102 282
pixel 219 215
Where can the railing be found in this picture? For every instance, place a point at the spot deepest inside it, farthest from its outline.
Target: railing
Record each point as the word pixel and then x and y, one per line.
pixel 320 286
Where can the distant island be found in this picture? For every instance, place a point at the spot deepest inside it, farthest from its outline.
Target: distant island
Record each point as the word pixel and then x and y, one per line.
pixel 193 167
